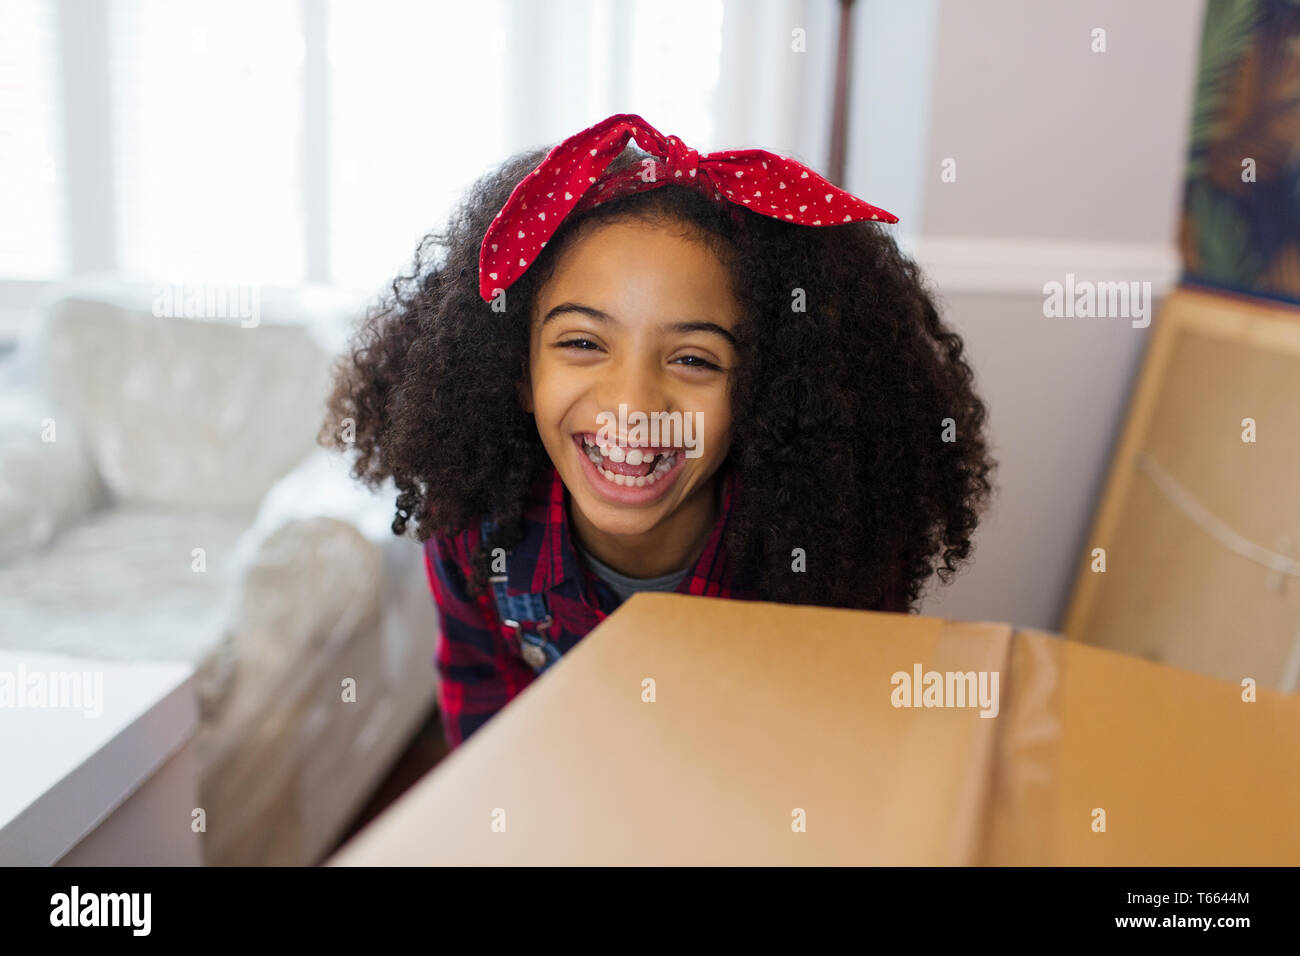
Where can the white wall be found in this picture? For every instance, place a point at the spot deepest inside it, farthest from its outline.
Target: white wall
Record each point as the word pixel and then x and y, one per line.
pixel 1067 161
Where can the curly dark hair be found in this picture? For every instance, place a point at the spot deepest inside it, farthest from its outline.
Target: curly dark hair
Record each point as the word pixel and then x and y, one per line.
pixel 858 434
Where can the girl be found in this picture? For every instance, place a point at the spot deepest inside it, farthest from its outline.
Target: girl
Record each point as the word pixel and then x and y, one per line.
pixel 817 437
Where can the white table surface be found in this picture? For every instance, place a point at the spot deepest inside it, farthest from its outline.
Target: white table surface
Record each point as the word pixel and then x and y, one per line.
pixel 62 770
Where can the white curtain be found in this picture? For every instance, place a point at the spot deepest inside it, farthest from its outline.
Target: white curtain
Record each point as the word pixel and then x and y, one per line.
pixel 317 140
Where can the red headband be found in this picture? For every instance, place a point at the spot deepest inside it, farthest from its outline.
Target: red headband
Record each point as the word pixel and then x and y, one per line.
pixel 768 184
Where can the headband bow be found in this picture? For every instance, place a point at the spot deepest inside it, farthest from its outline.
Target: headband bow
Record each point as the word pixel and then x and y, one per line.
pixel 567 180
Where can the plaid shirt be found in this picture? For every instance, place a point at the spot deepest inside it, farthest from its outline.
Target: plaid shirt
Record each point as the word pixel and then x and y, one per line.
pixel 478 659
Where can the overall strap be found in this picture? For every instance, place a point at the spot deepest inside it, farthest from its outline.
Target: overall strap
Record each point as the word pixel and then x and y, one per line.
pixel 525 617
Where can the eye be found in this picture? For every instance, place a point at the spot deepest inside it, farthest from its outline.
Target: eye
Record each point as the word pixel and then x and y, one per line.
pixel 585 344
pixel 696 361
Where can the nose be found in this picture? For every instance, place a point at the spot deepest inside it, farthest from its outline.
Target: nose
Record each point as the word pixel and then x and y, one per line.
pixel 639 385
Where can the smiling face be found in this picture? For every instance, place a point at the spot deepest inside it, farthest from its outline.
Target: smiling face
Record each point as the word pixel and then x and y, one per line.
pixel 641 316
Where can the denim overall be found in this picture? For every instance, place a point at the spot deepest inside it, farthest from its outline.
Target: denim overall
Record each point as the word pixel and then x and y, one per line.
pixel 527 614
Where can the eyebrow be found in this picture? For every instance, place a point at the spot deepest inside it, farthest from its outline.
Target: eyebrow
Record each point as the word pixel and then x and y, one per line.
pixel 600 316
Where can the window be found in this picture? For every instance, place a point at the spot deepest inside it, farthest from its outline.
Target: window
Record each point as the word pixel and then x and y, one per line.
pixel 32 225
pixel 294 140
pixel 207 128
pixel 415 94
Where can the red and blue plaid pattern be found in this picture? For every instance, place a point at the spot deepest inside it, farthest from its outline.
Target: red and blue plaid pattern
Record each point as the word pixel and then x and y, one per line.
pixel 478 661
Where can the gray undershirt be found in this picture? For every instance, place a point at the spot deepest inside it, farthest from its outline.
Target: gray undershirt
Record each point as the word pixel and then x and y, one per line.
pixel 624 586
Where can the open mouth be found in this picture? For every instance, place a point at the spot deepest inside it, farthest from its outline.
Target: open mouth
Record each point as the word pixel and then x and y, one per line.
pixel 629 466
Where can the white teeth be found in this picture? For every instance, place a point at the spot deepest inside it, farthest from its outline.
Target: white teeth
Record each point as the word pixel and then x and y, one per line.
pixel 633 456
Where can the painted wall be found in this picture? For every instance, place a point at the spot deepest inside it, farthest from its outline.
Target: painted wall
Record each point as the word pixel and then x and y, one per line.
pixel 1068 161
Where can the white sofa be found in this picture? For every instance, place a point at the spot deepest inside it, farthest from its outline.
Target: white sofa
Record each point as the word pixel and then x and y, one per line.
pixel 182 511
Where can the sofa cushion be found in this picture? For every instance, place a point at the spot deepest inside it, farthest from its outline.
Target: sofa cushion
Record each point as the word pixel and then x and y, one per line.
pixel 127 584
pixel 47 480
pixel 201 412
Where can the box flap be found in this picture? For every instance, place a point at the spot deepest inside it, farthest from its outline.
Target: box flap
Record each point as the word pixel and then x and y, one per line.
pixel 760 711
pixel 765 715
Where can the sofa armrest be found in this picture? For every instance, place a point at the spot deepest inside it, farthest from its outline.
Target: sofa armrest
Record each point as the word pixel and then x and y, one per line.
pixel 306 575
pixel 319 486
pixel 47 479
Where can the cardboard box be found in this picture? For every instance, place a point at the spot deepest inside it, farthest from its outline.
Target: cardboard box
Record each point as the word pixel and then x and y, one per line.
pixel 1203 481
pixel 766 715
